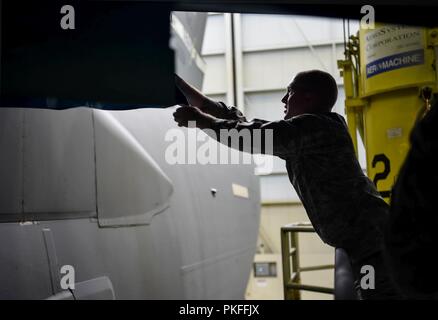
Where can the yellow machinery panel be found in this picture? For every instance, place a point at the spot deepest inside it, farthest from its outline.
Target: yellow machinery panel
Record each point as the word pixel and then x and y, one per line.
pixel 393 57
pixel 389 77
pixel 388 120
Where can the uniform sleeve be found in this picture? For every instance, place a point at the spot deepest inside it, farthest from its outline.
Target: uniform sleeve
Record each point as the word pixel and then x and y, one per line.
pixel 257 136
pixel 222 111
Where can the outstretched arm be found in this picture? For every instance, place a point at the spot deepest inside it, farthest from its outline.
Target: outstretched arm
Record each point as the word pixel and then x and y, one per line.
pixel 196 99
pixel 257 136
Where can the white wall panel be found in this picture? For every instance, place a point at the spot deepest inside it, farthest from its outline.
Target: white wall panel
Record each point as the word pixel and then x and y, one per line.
pixel 276 69
pixel 214 39
pixel 277 188
pixel 278 166
pixel 264 31
pixel 215 79
pixel 265 105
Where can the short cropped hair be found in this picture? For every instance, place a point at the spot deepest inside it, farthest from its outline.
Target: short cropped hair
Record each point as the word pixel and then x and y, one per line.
pixel 321 84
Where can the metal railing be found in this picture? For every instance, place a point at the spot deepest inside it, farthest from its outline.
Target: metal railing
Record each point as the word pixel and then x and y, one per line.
pixel 291 262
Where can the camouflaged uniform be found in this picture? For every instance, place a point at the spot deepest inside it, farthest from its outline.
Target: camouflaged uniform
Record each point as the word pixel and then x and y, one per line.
pixel 343 205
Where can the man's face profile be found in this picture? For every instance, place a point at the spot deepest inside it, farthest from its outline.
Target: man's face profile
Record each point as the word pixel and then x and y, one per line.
pixel 295 100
